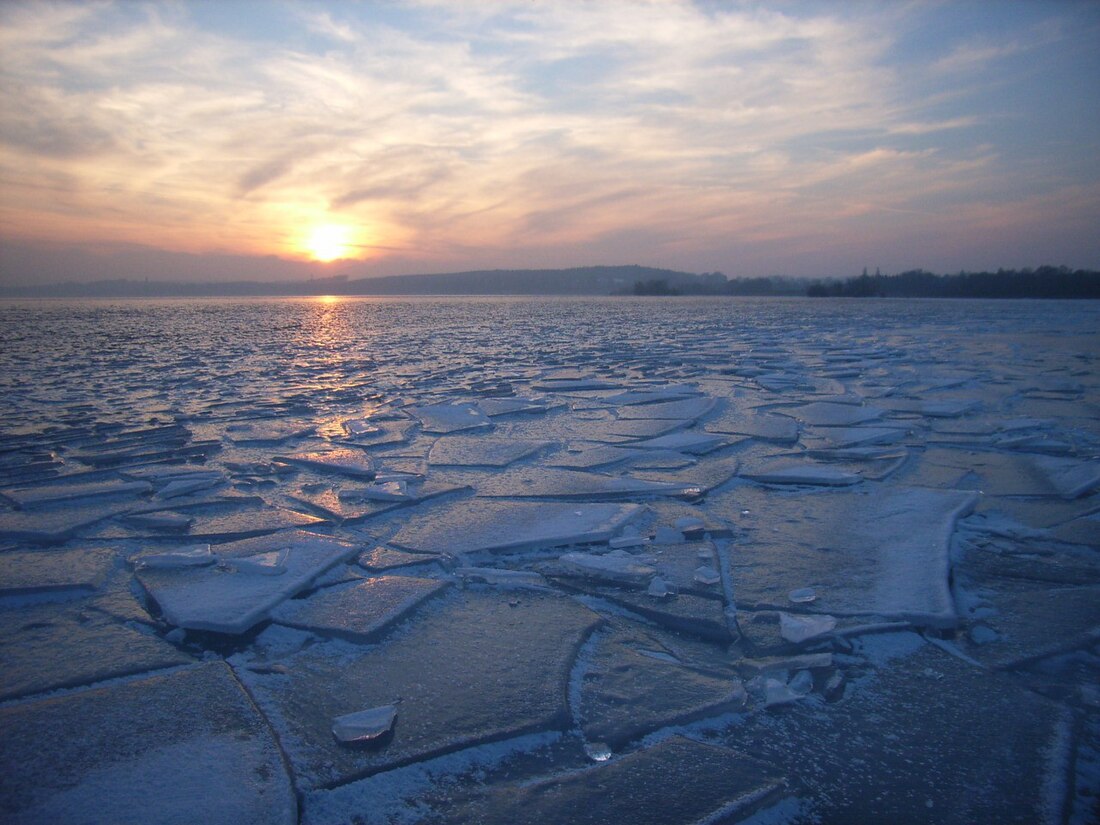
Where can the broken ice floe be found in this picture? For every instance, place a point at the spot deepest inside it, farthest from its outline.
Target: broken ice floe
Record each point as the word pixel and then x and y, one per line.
pixel 451 418
pixel 481 451
pixel 236 598
pixel 490 526
pixel 342 461
pixel 360 611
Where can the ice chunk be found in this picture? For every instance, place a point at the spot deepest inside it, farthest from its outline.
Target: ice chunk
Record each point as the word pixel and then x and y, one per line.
pixel 361 611
pixel 569 484
pixel 499 576
pixel 197 556
pixel 49 495
pixel 827 414
pixel 475 451
pixel 212 598
pixel 451 418
pixel 384 491
pixel 499 526
pixel 364 727
pixel 185 746
pixel 474 669
pixel 1072 479
pixel 710 783
pixel 884 553
pixel 845 437
pixel 685 442
pixel 707 575
pixel 186 486
pixel 266 433
pixel 790 472
pixel 688 408
pixel 50 646
pixel 763 427
pixel 493 407
pixel 803 595
pixel 798 629
pixel 42 571
pixel 341 461
pixel 617 566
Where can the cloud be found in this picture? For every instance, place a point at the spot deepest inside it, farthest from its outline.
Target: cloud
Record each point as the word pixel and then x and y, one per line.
pixel 455 130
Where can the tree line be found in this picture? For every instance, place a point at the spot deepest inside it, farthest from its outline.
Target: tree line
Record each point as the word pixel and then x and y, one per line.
pixel 1044 282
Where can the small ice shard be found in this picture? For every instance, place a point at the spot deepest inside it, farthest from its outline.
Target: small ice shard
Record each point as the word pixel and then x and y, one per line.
pixel 199 556
pixel 263 564
pixel 777 692
pixel 834 687
pixel 614 567
pixel 802 682
pixel 774 664
pixel 364 727
pixel 1069 477
pixel 804 595
pixel 65 494
pixel 658 588
pixel 507 406
pixel 626 541
pixel 691 527
pixel 360 426
pixel 762 427
pixel 707 575
pixel 597 751
pixel 799 629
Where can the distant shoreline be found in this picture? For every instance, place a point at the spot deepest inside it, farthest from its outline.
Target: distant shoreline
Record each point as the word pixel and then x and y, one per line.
pixel 1046 282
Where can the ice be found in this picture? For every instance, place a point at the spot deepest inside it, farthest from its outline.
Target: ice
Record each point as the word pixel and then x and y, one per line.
pixel 482 451
pixel 228 601
pixel 688 408
pixel 687 442
pixel 345 461
pixel 707 784
pixel 451 418
pixel 884 553
pixel 627 692
pixel 577 576
pixel 45 647
pixel 1072 479
pixel 827 414
pixel 791 472
pixel 266 433
pixel 81 570
pixel 457 689
pixel 365 726
pixel 799 629
pixel 183 747
pixel 495 527
pixel 571 484
pixel 780 429
pixel 361 611
pixel 64 495
pixel 493 407
pixel 197 556
pixel 617 566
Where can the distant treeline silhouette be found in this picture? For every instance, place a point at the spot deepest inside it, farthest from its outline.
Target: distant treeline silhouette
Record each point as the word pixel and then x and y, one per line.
pixel 1044 282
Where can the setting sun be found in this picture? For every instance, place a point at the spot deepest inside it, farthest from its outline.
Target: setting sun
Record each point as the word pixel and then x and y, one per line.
pixel 329 242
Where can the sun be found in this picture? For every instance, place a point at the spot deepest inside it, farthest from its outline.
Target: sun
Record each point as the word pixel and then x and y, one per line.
pixel 329 242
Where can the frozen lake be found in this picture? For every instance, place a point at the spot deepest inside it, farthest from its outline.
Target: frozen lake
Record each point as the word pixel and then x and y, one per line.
pixel 549 560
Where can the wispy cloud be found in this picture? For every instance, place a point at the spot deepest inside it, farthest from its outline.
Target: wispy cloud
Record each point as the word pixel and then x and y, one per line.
pixel 482 130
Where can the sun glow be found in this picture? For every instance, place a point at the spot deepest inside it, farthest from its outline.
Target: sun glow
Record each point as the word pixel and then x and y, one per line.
pixel 329 242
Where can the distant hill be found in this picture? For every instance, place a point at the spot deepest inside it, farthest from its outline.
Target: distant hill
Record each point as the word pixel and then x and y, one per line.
pixel 1044 282
pixel 590 280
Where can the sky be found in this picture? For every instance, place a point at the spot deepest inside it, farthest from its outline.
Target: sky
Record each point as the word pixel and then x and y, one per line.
pixel 277 140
